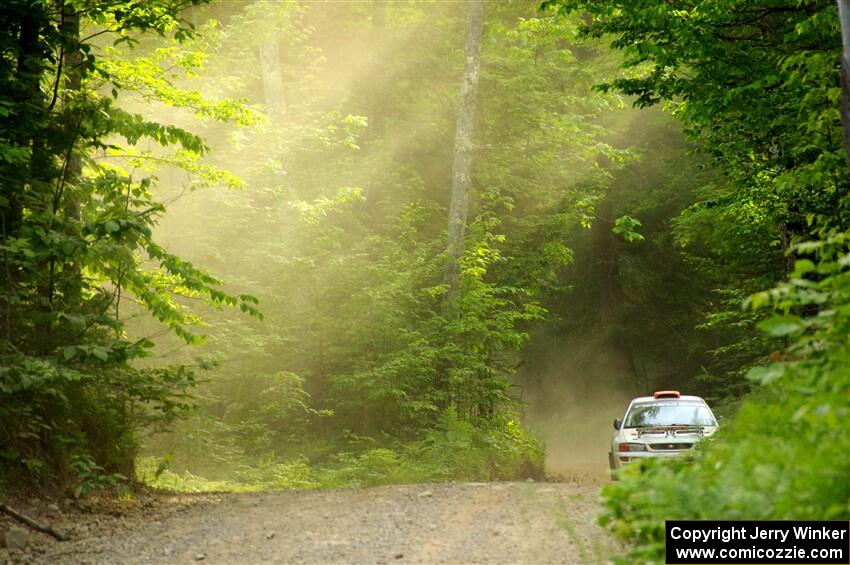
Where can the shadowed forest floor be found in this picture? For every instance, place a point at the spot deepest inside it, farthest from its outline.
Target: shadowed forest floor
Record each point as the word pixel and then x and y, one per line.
pixel 437 523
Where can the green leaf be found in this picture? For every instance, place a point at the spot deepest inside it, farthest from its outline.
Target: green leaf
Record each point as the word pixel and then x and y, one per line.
pixel 69 352
pixel 75 320
pixel 803 266
pixel 100 352
pixel 779 326
pixel 766 375
pixel 625 227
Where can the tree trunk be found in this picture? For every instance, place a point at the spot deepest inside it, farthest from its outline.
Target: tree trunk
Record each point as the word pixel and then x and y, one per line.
pixel 844 17
pixel 376 102
pixel 612 299
pixel 64 278
pixel 72 63
pixel 272 77
pixel 23 132
pixel 28 99
pixel 605 251
pixel 465 125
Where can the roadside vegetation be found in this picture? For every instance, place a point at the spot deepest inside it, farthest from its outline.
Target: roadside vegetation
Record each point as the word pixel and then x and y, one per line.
pixel 252 244
pixel 758 87
pixel 455 450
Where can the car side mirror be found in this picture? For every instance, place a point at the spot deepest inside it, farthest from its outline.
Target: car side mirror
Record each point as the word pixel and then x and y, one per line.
pixel 618 423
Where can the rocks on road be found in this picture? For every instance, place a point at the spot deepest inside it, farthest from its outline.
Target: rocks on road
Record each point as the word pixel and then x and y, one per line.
pixel 16 538
pixel 435 523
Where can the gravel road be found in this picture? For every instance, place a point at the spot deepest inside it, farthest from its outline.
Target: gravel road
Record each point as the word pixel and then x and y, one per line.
pixel 437 523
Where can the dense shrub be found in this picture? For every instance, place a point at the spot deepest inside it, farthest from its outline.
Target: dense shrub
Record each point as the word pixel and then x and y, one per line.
pixel 456 450
pixel 62 426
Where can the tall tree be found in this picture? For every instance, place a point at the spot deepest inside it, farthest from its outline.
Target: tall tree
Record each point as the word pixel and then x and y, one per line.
pixel 72 63
pixel 273 94
pixel 844 18
pixel 462 166
pixel 377 117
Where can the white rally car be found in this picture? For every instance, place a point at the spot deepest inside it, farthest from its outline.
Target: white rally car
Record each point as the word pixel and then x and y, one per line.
pixel 666 424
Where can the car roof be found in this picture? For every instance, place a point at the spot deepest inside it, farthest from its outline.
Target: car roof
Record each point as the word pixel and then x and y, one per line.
pixel 683 397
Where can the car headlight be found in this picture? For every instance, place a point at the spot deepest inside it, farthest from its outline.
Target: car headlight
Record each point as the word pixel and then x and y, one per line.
pixel 631 447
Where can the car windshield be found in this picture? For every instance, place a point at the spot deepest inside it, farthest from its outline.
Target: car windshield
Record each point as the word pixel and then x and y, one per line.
pixel 668 414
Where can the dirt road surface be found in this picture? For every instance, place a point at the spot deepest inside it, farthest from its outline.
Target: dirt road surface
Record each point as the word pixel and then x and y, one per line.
pixel 438 523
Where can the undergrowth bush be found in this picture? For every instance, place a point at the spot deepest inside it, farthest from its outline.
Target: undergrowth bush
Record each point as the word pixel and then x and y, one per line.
pixel 79 428
pixel 456 450
pixel 786 454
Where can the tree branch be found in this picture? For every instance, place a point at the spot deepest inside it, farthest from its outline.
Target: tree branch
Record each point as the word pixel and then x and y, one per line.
pixel 23 518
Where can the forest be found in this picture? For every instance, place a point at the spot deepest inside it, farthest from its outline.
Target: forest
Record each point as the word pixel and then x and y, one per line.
pixel 252 245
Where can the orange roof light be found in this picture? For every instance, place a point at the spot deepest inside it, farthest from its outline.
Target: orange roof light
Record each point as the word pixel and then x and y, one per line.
pixel 666 394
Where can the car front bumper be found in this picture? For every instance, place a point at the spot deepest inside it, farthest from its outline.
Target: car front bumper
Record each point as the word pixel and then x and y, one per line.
pixel 620 458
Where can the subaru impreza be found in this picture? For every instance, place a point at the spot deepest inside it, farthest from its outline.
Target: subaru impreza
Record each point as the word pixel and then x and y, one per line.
pixel 666 424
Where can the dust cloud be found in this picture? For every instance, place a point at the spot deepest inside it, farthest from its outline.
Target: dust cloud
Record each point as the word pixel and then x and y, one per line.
pixel 574 385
